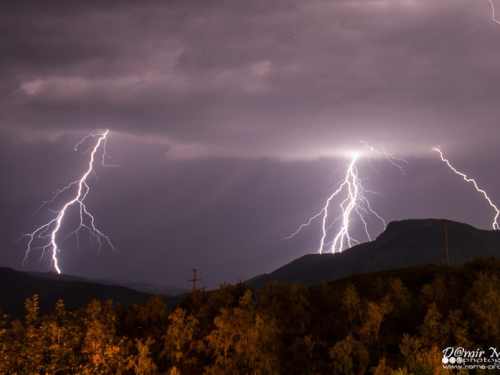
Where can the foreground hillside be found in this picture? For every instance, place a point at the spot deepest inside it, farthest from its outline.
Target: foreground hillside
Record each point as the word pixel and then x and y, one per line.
pixel 405 243
pixel 16 286
pixel 389 322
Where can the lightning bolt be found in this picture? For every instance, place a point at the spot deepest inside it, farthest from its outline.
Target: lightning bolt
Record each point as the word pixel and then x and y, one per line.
pixel 87 221
pixel 495 220
pixel 394 161
pixel 493 12
pixel 354 203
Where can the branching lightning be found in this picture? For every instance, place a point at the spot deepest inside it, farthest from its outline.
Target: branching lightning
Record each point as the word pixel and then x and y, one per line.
pixel 355 203
pixel 51 229
pixel 394 161
pixel 495 219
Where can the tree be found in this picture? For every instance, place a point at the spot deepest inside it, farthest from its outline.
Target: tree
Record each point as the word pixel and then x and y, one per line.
pixel 302 352
pixel 62 333
pixel 372 318
pixel 288 304
pixel 142 363
pixel 181 338
pixel 399 296
pixel 349 356
pixel 351 305
pixel 423 354
pixel 483 300
pixel 421 359
pixel 243 341
pixel 432 328
pixel 4 356
pixel 48 344
pixel 28 351
pixel 148 319
pixel 103 351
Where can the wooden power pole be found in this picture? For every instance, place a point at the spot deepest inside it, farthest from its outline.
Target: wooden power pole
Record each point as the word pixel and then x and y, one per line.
pixel 446 241
pixel 194 279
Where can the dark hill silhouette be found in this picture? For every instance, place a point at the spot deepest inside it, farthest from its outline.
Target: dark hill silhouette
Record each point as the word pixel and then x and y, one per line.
pixel 16 286
pixel 406 243
pixel 135 285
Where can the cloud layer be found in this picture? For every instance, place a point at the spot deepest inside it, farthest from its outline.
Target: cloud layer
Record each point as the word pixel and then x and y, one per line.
pixel 282 79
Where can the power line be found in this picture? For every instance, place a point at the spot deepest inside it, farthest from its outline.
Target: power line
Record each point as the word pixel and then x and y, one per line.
pixel 194 279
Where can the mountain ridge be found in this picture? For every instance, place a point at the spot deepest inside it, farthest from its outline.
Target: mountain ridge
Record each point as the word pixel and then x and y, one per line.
pixel 135 285
pixel 404 243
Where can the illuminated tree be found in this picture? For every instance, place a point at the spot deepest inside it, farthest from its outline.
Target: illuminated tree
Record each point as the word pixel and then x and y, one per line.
pixel 180 339
pixel 28 351
pixel 483 301
pixel 243 341
pixel 103 351
pixel 142 363
pixel 372 318
pixel 46 344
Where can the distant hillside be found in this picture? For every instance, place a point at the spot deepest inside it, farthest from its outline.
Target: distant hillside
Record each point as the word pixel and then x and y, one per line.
pixel 16 286
pixel 141 287
pixel 406 243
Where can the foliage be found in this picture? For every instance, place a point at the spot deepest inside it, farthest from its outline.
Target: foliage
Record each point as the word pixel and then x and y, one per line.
pixel 180 339
pixel 243 341
pixel 391 322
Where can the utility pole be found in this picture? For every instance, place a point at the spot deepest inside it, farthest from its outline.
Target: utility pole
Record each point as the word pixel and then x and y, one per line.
pixel 194 279
pixel 446 241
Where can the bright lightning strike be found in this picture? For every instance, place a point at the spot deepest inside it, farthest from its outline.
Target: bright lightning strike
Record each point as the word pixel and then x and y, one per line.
pixel 86 220
pixel 495 220
pixel 493 12
pixel 354 203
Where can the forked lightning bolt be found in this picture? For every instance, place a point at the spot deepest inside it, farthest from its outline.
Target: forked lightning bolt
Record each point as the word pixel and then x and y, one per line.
pixel 354 203
pixel 495 219
pixel 86 220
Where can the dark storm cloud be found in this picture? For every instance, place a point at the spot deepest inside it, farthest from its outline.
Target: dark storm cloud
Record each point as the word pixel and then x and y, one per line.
pixel 220 112
pixel 287 79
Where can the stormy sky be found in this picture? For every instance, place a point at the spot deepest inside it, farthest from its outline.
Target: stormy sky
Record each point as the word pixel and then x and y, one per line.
pixel 232 122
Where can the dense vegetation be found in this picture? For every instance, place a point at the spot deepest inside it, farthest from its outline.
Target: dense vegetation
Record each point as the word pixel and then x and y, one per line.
pixel 392 322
